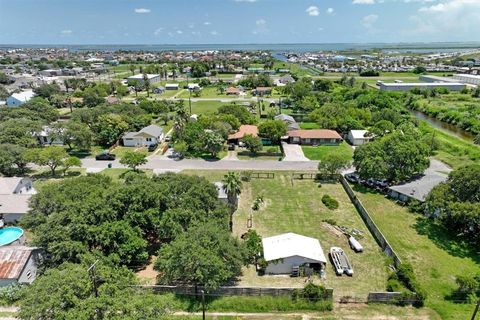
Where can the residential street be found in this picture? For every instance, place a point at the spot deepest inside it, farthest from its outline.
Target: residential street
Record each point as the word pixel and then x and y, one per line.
pixel 158 162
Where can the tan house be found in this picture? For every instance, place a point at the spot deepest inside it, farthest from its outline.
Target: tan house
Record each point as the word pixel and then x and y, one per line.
pixel 244 130
pixel 314 137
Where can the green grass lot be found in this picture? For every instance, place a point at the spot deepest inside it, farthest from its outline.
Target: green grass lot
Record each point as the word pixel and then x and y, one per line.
pixel 319 153
pixel 435 255
pixel 294 68
pixel 265 154
pixel 453 151
pixel 118 173
pixel 120 151
pixel 295 206
pixel 205 107
pixel 212 93
pixel 309 125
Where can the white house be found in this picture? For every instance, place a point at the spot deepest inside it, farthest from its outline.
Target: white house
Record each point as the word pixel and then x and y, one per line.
pixel 15 195
pixel 152 78
pixel 46 136
pixel 357 137
pixel 19 264
pixel 286 251
pixel 147 136
pixel 17 99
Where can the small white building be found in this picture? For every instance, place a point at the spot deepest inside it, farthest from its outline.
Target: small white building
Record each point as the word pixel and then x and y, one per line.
pixel 152 134
pixel 152 78
pixel 171 86
pixel 286 251
pixel 358 137
pixel 17 99
pixel 15 194
pixel 19 264
pixel 48 137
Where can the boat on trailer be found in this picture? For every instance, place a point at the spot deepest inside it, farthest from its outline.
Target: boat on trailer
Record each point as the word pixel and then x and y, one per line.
pixel 340 261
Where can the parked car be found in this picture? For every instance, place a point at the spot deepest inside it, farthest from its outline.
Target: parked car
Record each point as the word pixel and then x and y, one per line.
pixel 231 146
pixel 168 137
pixel 352 177
pixel 105 156
pixel 152 147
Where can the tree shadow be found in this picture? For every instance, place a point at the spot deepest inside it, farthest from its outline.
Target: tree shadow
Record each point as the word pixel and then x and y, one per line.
pixel 444 240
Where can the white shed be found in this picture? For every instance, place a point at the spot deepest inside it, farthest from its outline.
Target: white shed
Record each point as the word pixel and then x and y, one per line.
pixel 357 137
pixel 288 250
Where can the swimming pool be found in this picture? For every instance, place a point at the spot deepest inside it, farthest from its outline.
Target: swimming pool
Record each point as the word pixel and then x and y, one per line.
pixel 9 235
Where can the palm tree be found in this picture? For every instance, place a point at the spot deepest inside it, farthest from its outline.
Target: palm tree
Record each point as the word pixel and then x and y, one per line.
pixel 232 185
pixel 132 69
pixel 146 84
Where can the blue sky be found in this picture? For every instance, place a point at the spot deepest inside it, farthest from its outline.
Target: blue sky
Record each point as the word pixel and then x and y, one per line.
pixel 237 21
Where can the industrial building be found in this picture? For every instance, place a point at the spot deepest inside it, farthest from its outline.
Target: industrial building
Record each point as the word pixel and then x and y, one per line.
pixel 467 78
pixel 454 86
pixel 153 78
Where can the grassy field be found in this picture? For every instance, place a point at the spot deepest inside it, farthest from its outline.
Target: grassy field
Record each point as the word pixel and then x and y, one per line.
pixel 205 107
pixel 436 256
pixel 295 206
pixel 319 153
pixel 453 151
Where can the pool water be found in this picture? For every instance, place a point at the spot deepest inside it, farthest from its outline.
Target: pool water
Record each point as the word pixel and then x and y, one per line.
pixel 9 235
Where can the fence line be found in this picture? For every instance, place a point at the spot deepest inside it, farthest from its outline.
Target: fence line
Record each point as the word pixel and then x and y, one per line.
pixel 375 231
pixel 262 175
pixel 229 291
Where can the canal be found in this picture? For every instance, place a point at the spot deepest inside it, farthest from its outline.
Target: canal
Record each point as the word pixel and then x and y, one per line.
pixel 443 126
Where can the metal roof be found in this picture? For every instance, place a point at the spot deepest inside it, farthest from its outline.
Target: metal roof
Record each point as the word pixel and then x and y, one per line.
pixel 290 245
pixel 153 130
pixel 13 260
pixel 23 96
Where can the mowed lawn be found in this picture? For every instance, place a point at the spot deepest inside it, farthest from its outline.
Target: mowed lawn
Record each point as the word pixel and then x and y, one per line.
pixel 205 107
pixel 435 256
pixel 295 206
pixel 319 153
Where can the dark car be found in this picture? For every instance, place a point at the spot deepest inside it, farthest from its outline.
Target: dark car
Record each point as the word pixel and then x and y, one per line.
pixel 231 146
pixel 152 147
pixel 352 177
pixel 105 156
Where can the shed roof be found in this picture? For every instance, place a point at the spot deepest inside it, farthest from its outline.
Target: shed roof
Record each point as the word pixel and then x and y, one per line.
pixel 292 244
pixel 140 76
pixel 13 260
pixel 153 130
pixel 358 134
pixel 14 203
pixel 221 192
pixel 285 118
pixel 315 134
pixel 420 188
pixel 24 95
pixel 9 184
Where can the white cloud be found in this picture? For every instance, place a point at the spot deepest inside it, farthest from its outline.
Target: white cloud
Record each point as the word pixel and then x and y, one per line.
pixel 207 23
pixel 142 10
pixel 66 32
pixel 179 32
pixel 261 27
pixel 369 21
pixel 363 2
pixel 330 11
pixel 214 33
pixel 158 31
pixel 450 20
pixel 312 11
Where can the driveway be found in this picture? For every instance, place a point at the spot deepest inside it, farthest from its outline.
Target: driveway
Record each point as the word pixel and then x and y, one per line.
pixel 293 152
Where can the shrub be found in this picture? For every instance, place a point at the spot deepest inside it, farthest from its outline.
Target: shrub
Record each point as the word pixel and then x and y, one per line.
pixel 330 221
pixel 393 285
pixel 11 294
pixel 246 176
pixel 329 202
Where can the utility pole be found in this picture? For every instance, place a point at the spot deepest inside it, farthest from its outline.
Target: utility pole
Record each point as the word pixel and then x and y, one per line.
pixel 476 310
pixel 203 304
pixel 93 277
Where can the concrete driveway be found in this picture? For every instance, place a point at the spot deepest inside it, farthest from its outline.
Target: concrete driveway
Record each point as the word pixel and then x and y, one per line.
pixel 293 152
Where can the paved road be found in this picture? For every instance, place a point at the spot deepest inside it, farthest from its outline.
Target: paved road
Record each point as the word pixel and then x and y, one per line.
pixel 156 162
